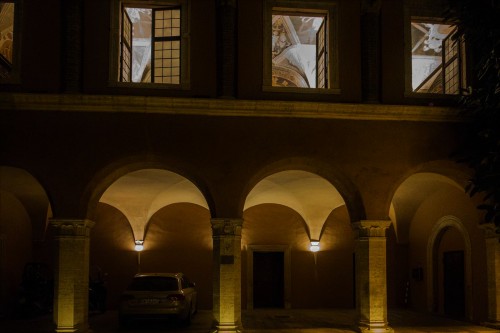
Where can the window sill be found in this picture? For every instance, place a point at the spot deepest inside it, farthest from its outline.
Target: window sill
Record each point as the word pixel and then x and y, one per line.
pixel 431 96
pixel 294 90
pixel 160 86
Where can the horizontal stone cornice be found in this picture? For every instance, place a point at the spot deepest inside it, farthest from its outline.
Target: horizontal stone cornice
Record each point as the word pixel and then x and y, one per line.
pixel 226 107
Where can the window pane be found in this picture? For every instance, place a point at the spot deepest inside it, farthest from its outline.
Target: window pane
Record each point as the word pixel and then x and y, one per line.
pixel 141 20
pixel 126 65
pixel 293 49
pixel 153 36
pixel 167 67
pixel 166 25
pixel 452 78
pixel 433 50
pixel 6 31
pixel 154 283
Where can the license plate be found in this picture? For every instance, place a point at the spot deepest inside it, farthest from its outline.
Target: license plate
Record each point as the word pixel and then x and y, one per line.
pixel 148 301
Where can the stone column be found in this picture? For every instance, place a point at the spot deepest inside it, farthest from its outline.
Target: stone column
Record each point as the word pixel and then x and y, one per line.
pixel 371 282
pixel 227 274
pixel 493 274
pixel 71 281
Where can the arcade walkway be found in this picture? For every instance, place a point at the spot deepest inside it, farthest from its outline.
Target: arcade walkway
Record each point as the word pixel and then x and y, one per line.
pixel 264 321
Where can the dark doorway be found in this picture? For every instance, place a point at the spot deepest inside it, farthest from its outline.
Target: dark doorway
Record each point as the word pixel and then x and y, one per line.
pixel 268 279
pixel 454 284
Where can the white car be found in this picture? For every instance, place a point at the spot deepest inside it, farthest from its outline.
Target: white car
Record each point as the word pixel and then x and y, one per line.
pixel 158 295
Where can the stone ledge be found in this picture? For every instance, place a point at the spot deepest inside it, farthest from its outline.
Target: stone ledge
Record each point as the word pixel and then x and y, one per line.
pixel 225 107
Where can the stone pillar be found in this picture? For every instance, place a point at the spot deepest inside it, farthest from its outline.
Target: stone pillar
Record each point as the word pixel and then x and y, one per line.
pixel 227 274
pixel 493 274
pixel 71 268
pixel 371 282
pixel 226 47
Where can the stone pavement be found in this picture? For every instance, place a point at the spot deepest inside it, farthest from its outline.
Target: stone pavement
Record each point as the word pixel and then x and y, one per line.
pixel 263 321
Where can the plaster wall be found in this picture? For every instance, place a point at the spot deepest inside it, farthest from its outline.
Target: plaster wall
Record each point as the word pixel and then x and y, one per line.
pixel 222 154
pixel 94 64
pixel 112 252
pixel 447 202
pixel 178 239
pixel 15 250
pixel 322 279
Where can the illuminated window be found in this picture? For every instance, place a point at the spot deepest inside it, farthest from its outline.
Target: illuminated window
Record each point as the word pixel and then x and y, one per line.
pixel 6 38
pixel 437 58
pixel 151 48
pixel 300 49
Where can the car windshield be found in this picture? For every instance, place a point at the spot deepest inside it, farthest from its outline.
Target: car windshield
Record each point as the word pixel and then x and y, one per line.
pixel 154 283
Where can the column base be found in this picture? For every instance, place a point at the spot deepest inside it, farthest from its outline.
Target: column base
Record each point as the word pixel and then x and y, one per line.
pixel 374 327
pixel 227 328
pixel 74 329
pixel 492 324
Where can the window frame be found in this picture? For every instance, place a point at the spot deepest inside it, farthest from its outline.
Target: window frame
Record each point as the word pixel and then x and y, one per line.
pixel 115 67
pixel 461 56
pixel 14 76
pixel 329 9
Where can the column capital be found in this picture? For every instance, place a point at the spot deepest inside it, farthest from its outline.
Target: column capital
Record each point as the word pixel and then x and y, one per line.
pixel 72 227
pixel 371 228
pixel 490 230
pixel 226 226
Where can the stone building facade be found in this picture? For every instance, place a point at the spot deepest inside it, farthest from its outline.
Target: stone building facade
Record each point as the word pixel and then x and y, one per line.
pixel 225 172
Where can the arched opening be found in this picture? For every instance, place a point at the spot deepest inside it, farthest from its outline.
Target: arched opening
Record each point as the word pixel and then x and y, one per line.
pixel 26 273
pixel 449 269
pixel 164 211
pixel 283 214
pixel 420 200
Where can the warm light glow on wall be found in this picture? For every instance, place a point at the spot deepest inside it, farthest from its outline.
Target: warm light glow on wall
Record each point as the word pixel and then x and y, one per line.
pixel 314 246
pixel 139 245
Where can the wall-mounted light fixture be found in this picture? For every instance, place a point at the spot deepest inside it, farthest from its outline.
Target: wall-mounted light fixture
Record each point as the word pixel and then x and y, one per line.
pixel 314 246
pixel 139 245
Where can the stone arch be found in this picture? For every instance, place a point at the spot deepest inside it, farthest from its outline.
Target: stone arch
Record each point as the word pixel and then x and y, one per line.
pixel 114 171
pixel 458 173
pixel 436 234
pixel 134 198
pixel 32 195
pixel 334 175
pixel 302 202
pixel 308 194
pixel 158 188
pixel 416 185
